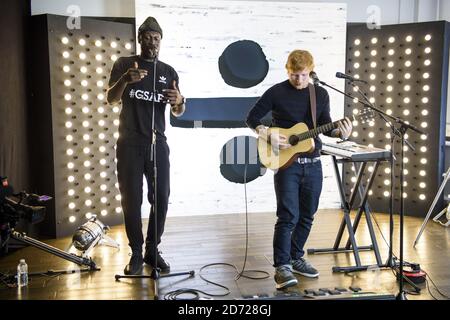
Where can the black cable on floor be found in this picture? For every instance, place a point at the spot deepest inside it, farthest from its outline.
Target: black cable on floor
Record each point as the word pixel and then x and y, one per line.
pixel 8 280
pixel 174 295
pixel 241 273
pixel 435 286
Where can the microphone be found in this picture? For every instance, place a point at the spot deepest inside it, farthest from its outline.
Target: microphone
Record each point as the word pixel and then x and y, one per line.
pixel 314 77
pixel 348 77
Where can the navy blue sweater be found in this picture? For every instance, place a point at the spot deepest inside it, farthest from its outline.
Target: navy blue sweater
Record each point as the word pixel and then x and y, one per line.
pixel 290 106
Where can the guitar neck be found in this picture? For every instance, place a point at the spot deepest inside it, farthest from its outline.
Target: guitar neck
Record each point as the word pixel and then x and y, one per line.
pixel 315 132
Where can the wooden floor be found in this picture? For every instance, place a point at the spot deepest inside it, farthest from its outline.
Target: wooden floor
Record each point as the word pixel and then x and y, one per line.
pixel 192 242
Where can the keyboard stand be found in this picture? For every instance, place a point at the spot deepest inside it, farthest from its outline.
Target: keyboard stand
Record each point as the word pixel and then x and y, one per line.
pixel 363 208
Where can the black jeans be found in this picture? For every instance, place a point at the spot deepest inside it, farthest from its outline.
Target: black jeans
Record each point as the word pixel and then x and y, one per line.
pixel 297 190
pixel 133 162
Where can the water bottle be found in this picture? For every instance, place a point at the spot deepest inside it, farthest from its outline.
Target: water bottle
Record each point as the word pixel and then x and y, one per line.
pixel 22 273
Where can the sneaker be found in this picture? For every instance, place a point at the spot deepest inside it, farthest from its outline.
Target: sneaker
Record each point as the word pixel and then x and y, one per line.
pixel 134 267
pixel 284 277
pixel 163 265
pixel 303 267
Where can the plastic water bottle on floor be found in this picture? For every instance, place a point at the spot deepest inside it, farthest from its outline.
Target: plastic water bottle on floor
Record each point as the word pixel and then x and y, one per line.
pixel 22 273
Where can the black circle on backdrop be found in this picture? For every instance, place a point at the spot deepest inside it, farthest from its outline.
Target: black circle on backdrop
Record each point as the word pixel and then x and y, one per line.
pixel 243 64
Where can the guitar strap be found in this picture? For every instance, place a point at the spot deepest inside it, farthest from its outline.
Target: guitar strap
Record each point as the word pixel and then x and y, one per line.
pixel 312 97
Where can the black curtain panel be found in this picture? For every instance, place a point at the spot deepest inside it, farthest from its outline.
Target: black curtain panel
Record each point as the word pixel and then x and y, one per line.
pixel 14 156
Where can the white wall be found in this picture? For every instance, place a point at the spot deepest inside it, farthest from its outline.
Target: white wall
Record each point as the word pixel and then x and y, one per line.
pixel 392 11
pixel 444 10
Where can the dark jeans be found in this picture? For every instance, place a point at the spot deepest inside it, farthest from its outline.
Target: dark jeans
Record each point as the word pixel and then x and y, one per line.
pixel 297 190
pixel 133 162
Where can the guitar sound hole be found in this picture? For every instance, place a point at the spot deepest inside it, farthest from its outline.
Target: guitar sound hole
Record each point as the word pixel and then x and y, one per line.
pixel 293 140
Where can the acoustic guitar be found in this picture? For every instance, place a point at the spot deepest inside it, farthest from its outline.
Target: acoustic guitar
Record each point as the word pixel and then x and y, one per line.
pixel 301 140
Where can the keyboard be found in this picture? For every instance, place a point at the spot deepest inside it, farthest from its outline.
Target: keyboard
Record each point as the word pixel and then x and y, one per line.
pixel 355 152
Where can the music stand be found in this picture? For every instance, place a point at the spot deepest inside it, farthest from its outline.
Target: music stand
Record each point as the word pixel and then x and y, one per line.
pixel 155 275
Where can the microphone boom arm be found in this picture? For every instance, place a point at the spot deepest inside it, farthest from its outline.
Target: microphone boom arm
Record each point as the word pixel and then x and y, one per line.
pixel 371 106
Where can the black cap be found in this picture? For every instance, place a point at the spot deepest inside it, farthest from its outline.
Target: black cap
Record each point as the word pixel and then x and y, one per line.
pixel 150 24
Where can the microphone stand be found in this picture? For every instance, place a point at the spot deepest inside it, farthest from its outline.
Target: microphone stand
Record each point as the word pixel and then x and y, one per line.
pixel 399 132
pixel 155 275
pixel 390 263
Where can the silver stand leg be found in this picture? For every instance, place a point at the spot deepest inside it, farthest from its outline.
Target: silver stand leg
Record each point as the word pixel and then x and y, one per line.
pixel 108 241
pixel 441 188
pixel 446 211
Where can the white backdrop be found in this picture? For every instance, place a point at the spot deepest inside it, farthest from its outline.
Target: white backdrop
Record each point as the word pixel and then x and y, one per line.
pixel 195 35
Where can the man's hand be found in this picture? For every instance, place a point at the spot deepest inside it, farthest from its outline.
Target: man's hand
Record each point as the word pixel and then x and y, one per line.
pixel 173 96
pixel 345 128
pixel 175 99
pixel 134 75
pixel 278 141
